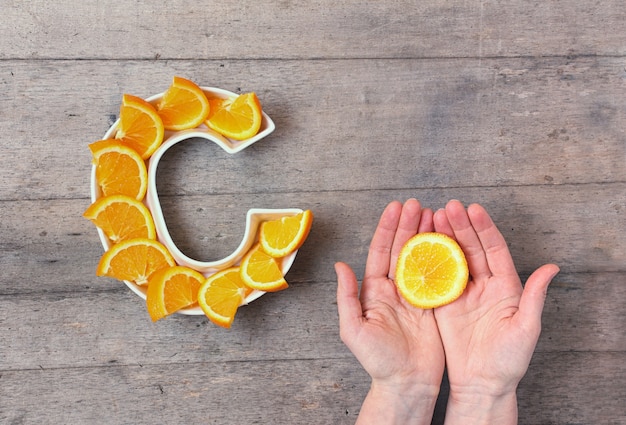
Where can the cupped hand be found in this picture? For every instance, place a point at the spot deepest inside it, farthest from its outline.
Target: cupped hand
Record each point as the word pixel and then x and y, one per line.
pixel 490 332
pixel 397 344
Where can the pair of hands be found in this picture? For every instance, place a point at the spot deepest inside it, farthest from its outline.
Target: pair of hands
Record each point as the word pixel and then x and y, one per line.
pixel 485 338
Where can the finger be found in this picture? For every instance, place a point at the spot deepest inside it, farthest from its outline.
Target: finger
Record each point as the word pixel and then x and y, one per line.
pixel 441 223
pixel 499 260
pixel 407 228
pixel 534 297
pixel 378 258
pixel 426 221
pixel 466 236
pixel 348 304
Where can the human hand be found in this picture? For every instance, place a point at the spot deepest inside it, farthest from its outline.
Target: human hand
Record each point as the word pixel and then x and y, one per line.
pixel 490 332
pixel 397 344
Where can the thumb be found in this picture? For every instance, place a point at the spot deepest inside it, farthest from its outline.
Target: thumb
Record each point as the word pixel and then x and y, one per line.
pixel 348 303
pixel 534 294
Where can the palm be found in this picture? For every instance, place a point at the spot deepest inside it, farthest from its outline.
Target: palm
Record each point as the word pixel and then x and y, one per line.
pixel 392 340
pixel 398 339
pixel 490 332
pixel 479 333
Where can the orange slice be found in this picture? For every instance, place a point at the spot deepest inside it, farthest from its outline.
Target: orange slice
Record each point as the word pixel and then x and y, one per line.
pixel 431 270
pixel 171 289
pixel 140 126
pixel 120 170
pixel 121 218
pixel 238 118
pixel 134 260
pixel 183 106
pixel 261 271
pixel 283 236
pixel 221 295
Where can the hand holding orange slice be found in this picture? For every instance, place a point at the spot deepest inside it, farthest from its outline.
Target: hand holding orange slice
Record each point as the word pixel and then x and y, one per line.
pixel 431 270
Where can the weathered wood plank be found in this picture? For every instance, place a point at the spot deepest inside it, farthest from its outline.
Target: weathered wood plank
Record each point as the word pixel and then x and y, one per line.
pixel 560 388
pixel 574 388
pixel 513 104
pixel 583 313
pixel 439 123
pixel 103 328
pixel 261 392
pixel 303 29
pixel 574 226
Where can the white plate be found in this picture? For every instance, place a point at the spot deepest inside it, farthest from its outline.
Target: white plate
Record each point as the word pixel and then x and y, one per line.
pixel 254 216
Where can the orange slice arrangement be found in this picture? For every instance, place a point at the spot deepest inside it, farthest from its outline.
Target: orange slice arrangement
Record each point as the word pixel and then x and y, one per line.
pixel 135 260
pixel 431 270
pixel 221 295
pixel 280 237
pixel 121 218
pixel 239 118
pixel 120 170
pixel 134 254
pixel 183 106
pixel 171 289
pixel 261 271
pixel 140 126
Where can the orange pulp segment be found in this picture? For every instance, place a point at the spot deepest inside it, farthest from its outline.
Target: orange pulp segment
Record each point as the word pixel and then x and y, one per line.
pixel 120 170
pixel 134 260
pixel 238 118
pixel 221 295
pixel 121 218
pixel 140 126
pixel 281 237
pixel 171 289
pixel 183 106
pixel 431 270
pixel 261 271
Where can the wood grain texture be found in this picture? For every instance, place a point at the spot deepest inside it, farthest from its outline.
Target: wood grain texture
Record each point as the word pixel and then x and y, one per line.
pixel 508 122
pixel 228 392
pixel 185 29
pixel 543 223
pixel 109 325
pixel 516 105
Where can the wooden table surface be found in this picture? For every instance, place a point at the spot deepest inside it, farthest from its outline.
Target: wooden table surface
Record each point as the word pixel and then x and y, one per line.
pixel 517 105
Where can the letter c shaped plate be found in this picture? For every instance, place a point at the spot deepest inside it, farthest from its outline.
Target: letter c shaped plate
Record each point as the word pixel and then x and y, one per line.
pixel 254 216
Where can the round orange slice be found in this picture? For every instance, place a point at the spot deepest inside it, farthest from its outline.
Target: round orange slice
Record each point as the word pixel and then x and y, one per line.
pixel 171 289
pixel 121 218
pixel 134 260
pixel 237 118
pixel 261 271
pixel 140 126
pixel 221 295
pixel 431 270
pixel 281 237
pixel 183 106
pixel 120 170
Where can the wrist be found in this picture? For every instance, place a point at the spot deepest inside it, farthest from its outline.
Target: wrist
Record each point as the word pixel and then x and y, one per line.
pixel 476 406
pixel 397 404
